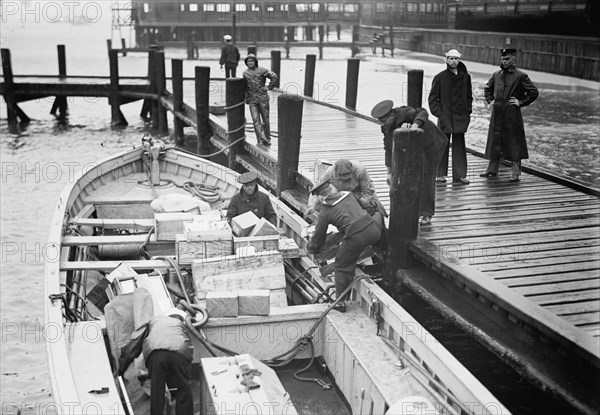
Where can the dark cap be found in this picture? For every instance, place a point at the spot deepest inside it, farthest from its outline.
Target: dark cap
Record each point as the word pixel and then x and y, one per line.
pixel 382 109
pixel 508 52
pixel 251 56
pixel 247 177
pixel 318 188
pixel 343 169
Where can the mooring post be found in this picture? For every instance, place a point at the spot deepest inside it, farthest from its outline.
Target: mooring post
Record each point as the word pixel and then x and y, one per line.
pixel 149 107
pixel 354 40
pixel 321 30
pixel 60 102
pixel 252 50
pixel 161 85
pixel 289 126
pixel 178 123
pixel 116 117
pixel 405 193
pixel 203 132
pixel 288 33
pixel 235 94
pixel 123 46
pixel 352 83
pixel 309 75
pixel 414 96
pixel 9 92
pixel 109 44
pixel 276 65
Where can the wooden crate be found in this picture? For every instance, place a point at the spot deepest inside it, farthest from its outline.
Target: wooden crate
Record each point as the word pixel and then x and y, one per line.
pixel 207 231
pixel 188 251
pixel 260 243
pixel 168 225
pixel 263 271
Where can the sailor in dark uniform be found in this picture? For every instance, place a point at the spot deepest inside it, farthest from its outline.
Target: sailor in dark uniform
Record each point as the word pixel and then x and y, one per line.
pixel 343 210
pixel 250 199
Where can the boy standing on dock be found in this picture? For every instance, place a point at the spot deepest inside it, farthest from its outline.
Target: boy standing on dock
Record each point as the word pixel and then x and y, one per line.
pixel 506 92
pixel 450 100
pixel 257 97
pixel 230 56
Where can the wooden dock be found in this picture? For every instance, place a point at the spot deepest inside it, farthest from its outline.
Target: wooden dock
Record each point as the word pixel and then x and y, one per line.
pixel 518 264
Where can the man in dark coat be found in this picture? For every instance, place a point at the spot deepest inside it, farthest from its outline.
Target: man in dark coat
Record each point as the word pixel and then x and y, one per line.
pixel 434 144
pixel 343 210
pixel 506 92
pixel 230 56
pixel 250 199
pixel 450 100
pixel 168 353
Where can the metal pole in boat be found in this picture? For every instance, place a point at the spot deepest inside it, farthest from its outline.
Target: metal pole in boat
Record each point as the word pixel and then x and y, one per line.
pixel 289 126
pixel 202 106
pixel 235 94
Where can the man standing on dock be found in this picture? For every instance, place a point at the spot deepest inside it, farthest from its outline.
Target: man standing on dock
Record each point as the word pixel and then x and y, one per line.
pixel 257 97
pixel 434 143
pixel 450 100
pixel 230 56
pixel 506 92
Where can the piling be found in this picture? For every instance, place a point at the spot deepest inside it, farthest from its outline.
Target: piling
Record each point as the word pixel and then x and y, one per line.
pixel 235 93
pixel 178 123
pixel 414 96
pixel 405 193
pixel 161 85
pixel 309 75
pixel 202 74
pixel 123 46
pixel 276 65
pixel 288 33
pixel 147 106
pixel 60 102
pixel 289 126
pixel 116 117
pixel 321 30
pixel 9 93
pixel 352 83
pixel 252 50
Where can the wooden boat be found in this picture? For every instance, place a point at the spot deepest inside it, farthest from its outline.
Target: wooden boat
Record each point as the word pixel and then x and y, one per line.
pixel 380 359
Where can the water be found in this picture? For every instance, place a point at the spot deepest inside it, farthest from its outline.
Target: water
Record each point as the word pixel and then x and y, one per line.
pixel 562 129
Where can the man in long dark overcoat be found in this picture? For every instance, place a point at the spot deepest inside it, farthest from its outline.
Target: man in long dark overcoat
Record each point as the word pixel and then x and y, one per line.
pixel 507 91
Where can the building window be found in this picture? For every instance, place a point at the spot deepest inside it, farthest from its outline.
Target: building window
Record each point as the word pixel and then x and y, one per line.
pixel 301 7
pixel 208 7
pixel 240 7
pixel 193 7
pixel 254 7
pixel 350 8
pixel 381 7
pixel 146 8
pixel 223 7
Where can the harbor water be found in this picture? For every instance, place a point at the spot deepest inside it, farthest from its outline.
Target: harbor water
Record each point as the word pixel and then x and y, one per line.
pixel 561 126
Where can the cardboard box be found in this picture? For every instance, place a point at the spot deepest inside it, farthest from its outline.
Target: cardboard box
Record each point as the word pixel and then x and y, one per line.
pixel 207 231
pixel 254 302
pixel 187 251
pixel 168 225
pixel 264 228
pixel 243 224
pixel 222 304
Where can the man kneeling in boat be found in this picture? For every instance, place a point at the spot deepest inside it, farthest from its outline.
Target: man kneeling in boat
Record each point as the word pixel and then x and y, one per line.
pixel 168 352
pixel 344 211
pixel 250 199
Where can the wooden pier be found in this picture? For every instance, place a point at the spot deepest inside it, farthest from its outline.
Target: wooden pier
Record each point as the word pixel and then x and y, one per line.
pixel 516 264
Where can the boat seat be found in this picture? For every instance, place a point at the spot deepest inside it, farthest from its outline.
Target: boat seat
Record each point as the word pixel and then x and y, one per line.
pixel 144 224
pixel 107 239
pixel 91 368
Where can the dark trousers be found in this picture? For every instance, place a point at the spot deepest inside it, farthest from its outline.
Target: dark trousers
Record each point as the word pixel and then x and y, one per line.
pixel 260 118
pixel 174 370
pixel 230 69
pixel 348 253
pixel 459 157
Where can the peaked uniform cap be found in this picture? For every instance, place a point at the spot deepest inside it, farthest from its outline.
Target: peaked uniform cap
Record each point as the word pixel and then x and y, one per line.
pixel 247 177
pixel 343 168
pixel 318 188
pixel 508 52
pixel 227 37
pixel 251 56
pixel 382 109
pixel 453 53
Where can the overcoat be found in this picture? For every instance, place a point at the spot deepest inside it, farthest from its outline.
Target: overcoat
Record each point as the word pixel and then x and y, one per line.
pixel 506 134
pixel 451 99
